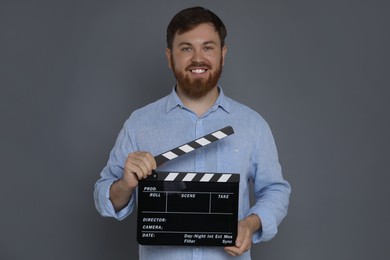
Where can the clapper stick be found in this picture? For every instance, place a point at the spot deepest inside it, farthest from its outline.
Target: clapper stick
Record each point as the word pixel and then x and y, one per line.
pixel 195 144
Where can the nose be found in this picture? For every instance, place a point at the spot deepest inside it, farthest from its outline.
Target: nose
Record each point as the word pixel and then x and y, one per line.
pixel 197 56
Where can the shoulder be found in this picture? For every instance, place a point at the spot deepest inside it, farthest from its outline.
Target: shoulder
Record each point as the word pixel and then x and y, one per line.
pixel 143 116
pixel 158 106
pixel 244 113
pixel 150 112
pixel 248 124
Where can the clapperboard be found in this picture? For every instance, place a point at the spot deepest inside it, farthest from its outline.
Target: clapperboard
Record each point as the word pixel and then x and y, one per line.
pixel 188 208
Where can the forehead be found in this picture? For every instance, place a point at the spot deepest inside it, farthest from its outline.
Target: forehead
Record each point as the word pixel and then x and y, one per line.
pixel 198 35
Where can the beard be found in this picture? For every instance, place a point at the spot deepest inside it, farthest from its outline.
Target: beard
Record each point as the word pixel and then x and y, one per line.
pixel 196 88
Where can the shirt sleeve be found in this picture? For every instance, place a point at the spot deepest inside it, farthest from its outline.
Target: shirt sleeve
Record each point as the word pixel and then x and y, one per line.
pixel 272 192
pixel 112 172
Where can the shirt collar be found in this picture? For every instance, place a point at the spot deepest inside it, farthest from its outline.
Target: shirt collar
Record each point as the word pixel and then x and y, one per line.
pixel 174 101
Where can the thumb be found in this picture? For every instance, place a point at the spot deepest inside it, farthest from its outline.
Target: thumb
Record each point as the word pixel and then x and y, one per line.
pixel 240 238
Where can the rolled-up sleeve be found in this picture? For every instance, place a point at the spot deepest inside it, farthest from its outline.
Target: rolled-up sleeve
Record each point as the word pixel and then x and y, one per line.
pixel 272 192
pixel 112 172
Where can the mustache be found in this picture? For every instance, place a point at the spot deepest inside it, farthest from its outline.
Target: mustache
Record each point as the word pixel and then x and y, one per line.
pixel 198 64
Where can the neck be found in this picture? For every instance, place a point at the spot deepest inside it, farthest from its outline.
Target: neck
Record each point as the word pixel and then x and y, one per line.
pixel 199 105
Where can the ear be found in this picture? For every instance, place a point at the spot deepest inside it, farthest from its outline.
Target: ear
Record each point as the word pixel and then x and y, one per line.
pixel 224 51
pixel 168 53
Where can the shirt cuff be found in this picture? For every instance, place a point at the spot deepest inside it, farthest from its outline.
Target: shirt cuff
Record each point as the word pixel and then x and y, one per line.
pixel 268 228
pixel 105 206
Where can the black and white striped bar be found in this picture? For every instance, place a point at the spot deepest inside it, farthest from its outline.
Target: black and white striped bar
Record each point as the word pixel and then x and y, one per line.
pixel 193 145
pixel 194 177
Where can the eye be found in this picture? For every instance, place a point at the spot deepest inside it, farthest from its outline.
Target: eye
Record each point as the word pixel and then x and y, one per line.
pixel 208 48
pixel 186 49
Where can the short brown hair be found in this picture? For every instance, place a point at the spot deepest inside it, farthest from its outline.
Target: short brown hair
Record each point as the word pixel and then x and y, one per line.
pixel 189 18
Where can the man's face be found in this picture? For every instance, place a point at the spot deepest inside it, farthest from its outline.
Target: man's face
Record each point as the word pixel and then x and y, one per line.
pixel 196 60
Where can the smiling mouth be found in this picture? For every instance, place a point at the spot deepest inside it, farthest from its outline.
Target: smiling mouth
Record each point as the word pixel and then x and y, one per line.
pixel 198 71
pixel 198 68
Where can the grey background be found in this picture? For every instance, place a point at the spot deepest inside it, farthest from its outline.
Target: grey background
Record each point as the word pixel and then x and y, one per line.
pixel 71 72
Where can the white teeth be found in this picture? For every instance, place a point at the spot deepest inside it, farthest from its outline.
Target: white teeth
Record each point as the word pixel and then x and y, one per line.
pixel 198 71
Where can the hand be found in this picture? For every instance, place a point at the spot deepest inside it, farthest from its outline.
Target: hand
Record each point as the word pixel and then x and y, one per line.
pixel 245 230
pixel 138 165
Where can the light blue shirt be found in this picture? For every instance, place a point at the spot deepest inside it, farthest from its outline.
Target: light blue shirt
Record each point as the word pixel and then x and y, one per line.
pixel 250 151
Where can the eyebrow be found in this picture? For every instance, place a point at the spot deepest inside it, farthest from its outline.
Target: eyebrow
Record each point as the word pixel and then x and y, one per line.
pixel 190 44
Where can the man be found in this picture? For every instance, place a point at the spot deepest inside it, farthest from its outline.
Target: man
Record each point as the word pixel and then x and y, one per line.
pixel 195 107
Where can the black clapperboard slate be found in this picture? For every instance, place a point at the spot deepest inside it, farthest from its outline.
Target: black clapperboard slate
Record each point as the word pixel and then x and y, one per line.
pixel 188 208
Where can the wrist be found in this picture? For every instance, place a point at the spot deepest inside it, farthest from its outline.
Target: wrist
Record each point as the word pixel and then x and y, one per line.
pixel 125 186
pixel 254 222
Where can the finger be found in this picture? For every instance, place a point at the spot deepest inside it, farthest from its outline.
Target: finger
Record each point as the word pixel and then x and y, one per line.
pixel 231 250
pixel 147 161
pixel 140 170
pixel 236 251
pixel 240 236
pixel 246 243
pixel 140 163
pixel 151 160
pixel 133 170
pixel 243 242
